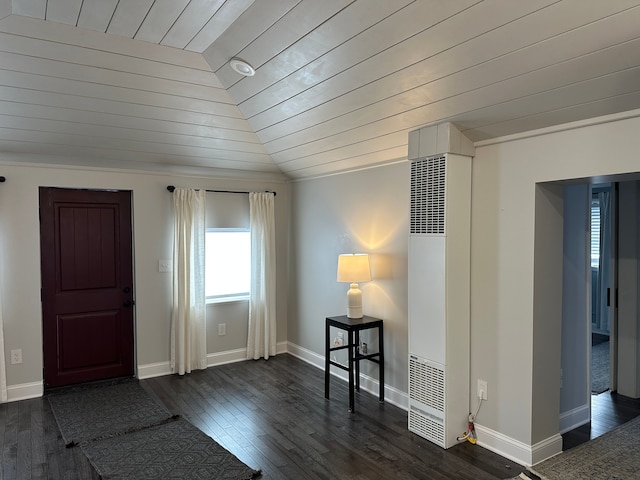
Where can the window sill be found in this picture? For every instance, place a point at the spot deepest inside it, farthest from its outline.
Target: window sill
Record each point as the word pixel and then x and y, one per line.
pixel 239 298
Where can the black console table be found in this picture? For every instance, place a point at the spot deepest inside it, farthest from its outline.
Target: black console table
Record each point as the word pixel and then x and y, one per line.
pixel 353 327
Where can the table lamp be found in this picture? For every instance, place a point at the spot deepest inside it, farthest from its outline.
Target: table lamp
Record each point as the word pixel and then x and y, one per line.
pixel 354 268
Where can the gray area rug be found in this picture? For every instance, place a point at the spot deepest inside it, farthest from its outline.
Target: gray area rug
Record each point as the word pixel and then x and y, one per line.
pixel 125 434
pixel 171 450
pixel 600 368
pixel 613 456
pixel 104 410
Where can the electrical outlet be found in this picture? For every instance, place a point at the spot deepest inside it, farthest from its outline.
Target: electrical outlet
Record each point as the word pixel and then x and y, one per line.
pixel 222 329
pixel 16 356
pixel 164 265
pixel 482 389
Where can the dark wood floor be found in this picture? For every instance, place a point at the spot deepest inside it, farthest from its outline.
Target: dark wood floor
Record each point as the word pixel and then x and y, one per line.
pixel 608 411
pixel 273 416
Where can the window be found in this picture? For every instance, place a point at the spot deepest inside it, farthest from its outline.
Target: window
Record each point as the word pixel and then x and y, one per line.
pixel 595 232
pixel 228 264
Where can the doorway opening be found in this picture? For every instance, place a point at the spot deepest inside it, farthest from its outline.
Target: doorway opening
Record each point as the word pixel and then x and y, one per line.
pixel 610 400
pixel 601 273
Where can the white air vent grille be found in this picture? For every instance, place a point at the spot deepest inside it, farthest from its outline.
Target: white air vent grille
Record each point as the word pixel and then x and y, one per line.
pixel 428 195
pixel 426 384
pixel 426 425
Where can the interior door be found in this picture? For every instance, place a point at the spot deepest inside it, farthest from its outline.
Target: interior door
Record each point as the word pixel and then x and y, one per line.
pixel 87 285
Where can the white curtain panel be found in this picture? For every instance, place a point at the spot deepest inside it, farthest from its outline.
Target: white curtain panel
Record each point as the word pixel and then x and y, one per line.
pixel 188 322
pixel 261 340
pixel 3 370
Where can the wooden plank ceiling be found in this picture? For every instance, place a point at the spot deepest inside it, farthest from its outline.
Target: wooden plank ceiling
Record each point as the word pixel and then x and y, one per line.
pixel 338 83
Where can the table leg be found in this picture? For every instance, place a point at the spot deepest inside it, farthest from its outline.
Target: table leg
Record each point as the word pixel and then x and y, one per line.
pixel 381 364
pixel 357 351
pixel 351 393
pixel 327 344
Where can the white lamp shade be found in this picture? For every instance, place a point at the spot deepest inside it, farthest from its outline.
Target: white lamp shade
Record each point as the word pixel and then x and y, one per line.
pixel 354 268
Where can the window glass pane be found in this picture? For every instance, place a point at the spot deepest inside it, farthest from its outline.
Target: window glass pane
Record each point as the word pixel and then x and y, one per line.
pixel 228 263
pixel 595 233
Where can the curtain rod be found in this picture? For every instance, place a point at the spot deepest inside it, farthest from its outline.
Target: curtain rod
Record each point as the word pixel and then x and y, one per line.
pixel 171 188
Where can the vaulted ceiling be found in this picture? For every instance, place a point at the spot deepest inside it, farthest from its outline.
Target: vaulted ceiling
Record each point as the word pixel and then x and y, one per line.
pixel 338 83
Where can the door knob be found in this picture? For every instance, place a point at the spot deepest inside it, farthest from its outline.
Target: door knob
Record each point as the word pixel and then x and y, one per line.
pixel 128 303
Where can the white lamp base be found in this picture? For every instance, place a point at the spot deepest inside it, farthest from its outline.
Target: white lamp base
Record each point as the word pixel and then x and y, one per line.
pixel 354 302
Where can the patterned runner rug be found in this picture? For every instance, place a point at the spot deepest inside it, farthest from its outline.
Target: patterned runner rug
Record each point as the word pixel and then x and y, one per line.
pixel 613 456
pixel 125 434
pixel 104 409
pixel 600 368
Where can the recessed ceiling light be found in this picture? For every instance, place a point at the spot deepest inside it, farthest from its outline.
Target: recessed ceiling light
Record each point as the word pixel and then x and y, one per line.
pixel 242 67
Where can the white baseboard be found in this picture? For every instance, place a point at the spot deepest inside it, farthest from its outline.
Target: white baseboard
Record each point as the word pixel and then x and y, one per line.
pixel 151 370
pixel 515 450
pixel 367 383
pixel 223 358
pixel 213 359
pixel 574 418
pixel 24 391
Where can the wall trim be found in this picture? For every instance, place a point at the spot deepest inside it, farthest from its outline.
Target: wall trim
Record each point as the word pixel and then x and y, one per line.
pixel 614 117
pixel 25 391
pixel 575 418
pixel 383 163
pixel 151 370
pixel 229 356
pixel 159 369
pixel 368 384
pixel 36 160
pixel 516 450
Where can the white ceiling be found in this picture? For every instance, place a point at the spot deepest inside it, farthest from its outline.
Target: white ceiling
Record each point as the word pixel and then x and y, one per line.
pixel 338 84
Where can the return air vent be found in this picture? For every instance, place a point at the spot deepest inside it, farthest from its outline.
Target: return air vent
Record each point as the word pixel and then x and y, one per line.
pixel 426 383
pixel 427 426
pixel 428 177
pixel 427 399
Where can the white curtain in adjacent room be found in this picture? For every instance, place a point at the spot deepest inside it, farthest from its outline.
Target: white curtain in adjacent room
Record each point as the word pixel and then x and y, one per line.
pixel 261 341
pixel 188 322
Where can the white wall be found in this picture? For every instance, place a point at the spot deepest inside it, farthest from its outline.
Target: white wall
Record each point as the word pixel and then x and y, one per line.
pixel 628 380
pixel 362 212
pixel 152 214
pixel 503 322
pixel 576 311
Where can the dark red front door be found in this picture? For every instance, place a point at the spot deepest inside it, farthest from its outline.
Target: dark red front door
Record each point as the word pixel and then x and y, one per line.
pixel 87 285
